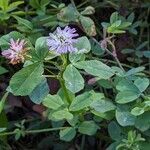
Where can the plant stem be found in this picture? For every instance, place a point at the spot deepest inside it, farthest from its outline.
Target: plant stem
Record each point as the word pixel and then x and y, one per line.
pixel 34 131
pixel 115 54
pixel 49 71
pixel 111 53
pixel 100 46
pixel 80 5
pixel 73 3
pixel 44 130
pixel 50 76
pixel 7 133
pixel 113 47
pixel 119 64
pixel 64 89
pixel 61 80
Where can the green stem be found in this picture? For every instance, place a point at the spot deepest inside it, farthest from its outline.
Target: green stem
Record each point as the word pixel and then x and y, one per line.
pixel 50 76
pixel 49 71
pixel 73 3
pixel 114 55
pixel 23 13
pixel 44 130
pixel 84 2
pixel 34 131
pixel 119 64
pixel 61 80
pixel 7 133
pixel 110 53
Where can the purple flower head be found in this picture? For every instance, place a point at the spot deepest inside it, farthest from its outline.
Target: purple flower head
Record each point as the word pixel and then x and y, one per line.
pixel 16 51
pixel 62 40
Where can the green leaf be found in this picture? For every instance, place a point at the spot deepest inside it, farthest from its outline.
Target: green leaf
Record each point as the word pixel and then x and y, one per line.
pixel 105 25
pixel 51 55
pixel 53 101
pixel 68 14
pixel 126 85
pixel 131 17
pixel 107 115
pixel 61 93
pixel 124 117
pixel 14 5
pixel 96 49
pixel 57 124
pixel 4 4
pixel 3 70
pixel 49 21
pixel 2 129
pixel 88 127
pixel 89 10
pixel 97 96
pixel 73 79
pixel 40 92
pixel 127 51
pixel 24 22
pixel 102 106
pixel 147 103
pixel 129 91
pixel 114 131
pixel 115 30
pixel 146 54
pixel 24 81
pixel 141 46
pixel 67 134
pixel 119 72
pixel 96 68
pixel 113 17
pixel 134 71
pixel 126 96
pixel 41 48
pixel 142 83
pixel 124 25
pixel 81 101
pixel 74 120
pixel 116 24
pixel 83 45
pixel 18 134
pixel 62 114
pixel 144 145
pixel 88 25
pixel 34 3
pixel 143 122
pixel 45 2
pixel 105 84
pixel 2 101
pixel 137 111
pixel 113 146
pixel 76 57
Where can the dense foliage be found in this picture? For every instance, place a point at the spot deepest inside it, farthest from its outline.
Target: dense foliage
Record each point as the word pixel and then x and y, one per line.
pixel 74 74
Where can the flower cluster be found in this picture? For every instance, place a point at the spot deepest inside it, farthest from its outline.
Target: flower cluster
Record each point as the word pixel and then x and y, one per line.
pixel 16 52
pixel 62 40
